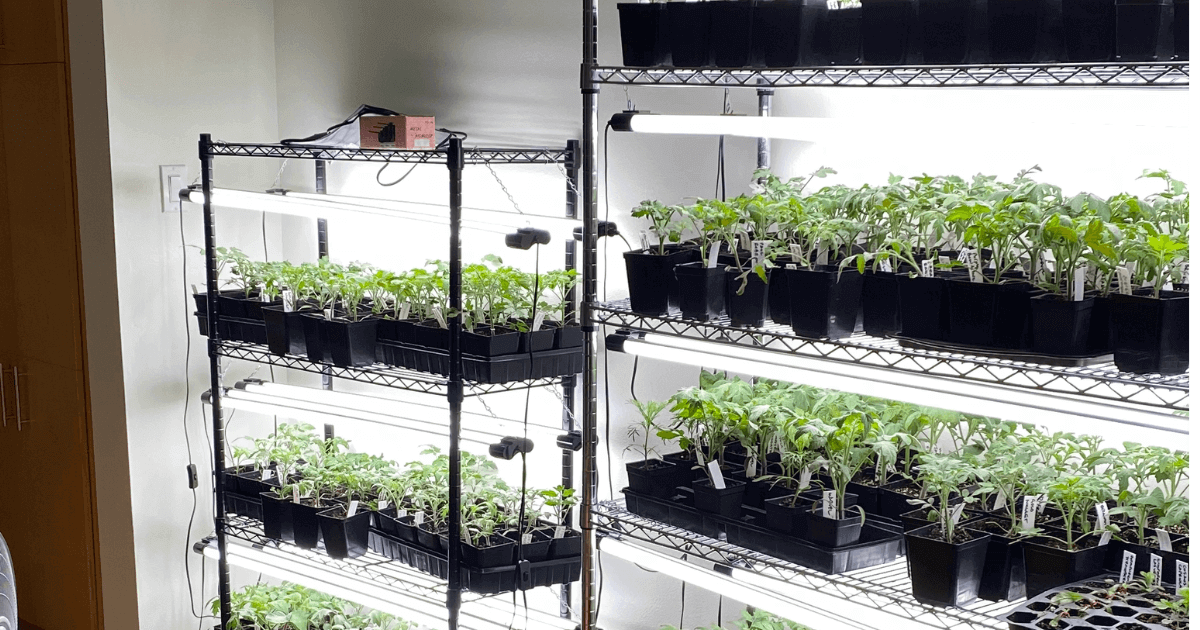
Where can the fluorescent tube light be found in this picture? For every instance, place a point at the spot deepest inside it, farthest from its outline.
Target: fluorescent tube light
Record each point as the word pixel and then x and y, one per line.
pixel 1114 421
pixel 832 614
pixel 314 206
pixel 379 409
pixel 783 128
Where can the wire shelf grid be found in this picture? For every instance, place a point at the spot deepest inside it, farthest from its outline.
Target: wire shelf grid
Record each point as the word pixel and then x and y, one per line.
pixel 885 588
pixel 1102 382
pixel 1147 74
pixel 478 155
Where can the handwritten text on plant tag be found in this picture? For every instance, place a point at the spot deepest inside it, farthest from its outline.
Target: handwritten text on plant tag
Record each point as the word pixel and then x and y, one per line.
pixel 829 504
pixel 796 251
pixel 752 466
pixel 1042 501
pixel 382 505
pixel 1181 576
pixel 885 266
pixel 1156 568
pixel 1101 515
pixel 1164 539
pixel 714 471
pixel 927 268
pixel 973 265
pixel 1128 560
pixel 289 301
pixel 526 539
pixel 295 494
pixel 352 510
pixel 645 240
pixel 759 250
pixel 560 531
pixel 1028 512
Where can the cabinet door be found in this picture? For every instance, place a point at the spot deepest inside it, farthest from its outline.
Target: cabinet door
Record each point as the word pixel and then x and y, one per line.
pixel 31 31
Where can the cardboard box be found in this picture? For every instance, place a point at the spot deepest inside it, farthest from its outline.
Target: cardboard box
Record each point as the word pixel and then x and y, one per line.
pixel 397 132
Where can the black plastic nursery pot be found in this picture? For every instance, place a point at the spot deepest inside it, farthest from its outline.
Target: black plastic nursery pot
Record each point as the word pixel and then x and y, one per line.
pixel 285 331
pixel 727 501
pixel 1060 326
pixel 915 519
pixel 1012 28
pixel 1143 30
pixel 887 31
pixel 787 515
pixel 839 35
pixel 569 545
pixel 655 477
pixel 277 517
pixel 880 304
pixel 344 537
pixel 538 547
pixel 685 461
pixel 1088 29
pixel 491 342
pixel 1100 330
pixel 892 502
pixel 316 338
pixel 351 344
pixel 779 32
pixel 306 525
pixel 536 340
pixel 945 28
pixel 1048 564
pixel 495 552
pixel 924 307
pixel 428 538
pixel 1150 335
pixel 1179 26
pixel 833 532
pixel 430 334
pixel 987 314
pixel 733 22
pixel 1004 566
pixel 650 278
pixel 749 308
pixel 644 34
pixel 396 330
pixel 944 573
pixel 688 31
pixel 779 304
pixel 824 302
pixel 568 336
pixel 701 289
pixel 233 303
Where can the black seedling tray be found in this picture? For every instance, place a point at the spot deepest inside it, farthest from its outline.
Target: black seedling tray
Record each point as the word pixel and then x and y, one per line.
pixel 242 505
pixel 523 575
pixel 493 370
pixel 1007 355
pixel 236 329
pixel 1027 615
pixel 880 543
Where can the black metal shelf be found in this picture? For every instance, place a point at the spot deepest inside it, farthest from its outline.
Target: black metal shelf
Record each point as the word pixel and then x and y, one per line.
pixel 1102 382
pixel 378 374
pixel 533 155
pixel 884 588
pixel 1107 74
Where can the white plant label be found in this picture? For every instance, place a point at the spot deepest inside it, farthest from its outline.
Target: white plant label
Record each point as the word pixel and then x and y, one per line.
pixel 964 255
pixel 759 250
pixel 1124 283
pixel 1077 284
pixel 262 293
pixel 822 254
pixel 713 253
pixel 1000 502
pixel 382 504
pixel 829 504
pixel 329 314
pixel 927 268
pixel 441 319
pixel 1042 501
pixel 1028 512
pixel 751 466
pixel 957 512
pixel 295 494
pixel 943 260
pixel 402 513
pixel 289 301
pixel 714 471
pixel 1105 538
pixel 1186 273
pixel 1156 568
pixel 645 240
pixel 805 477
pixel 744 241
pixel 885 266
pixel 1170 286
pixel 268 474
pixel 1181 576
pixel 1128 560
pixel 195 290
pixel 419 518
pixel 973 266
pixel 352 510
pixel 790 266
pixel 538 320
pixel 796 251
pixel 1164 539
pixel 1102 520
pixel 560 531
pixel 526 539
pixel 405 308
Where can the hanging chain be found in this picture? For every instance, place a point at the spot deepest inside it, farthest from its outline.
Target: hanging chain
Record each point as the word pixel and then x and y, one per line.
pixel 487 408
pixel 503 187
pixel 570 182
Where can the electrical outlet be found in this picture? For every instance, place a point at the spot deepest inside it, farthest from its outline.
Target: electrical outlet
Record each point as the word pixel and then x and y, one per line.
pixel 172 178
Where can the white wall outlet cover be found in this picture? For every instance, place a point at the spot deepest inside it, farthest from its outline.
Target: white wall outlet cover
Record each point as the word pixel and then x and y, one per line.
pixel 172 178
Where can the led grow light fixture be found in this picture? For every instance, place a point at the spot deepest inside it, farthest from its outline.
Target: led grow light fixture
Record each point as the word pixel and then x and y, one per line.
pixel 813 609
pixel 782 128
pixel 1058 412
pixel 368 593
pixel 316 205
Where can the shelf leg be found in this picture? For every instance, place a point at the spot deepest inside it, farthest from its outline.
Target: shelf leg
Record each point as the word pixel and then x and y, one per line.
pixel 323 252
pixel 764 109
pixel 568 417
pixel 591 122
pixel 213 285
pixel 454 160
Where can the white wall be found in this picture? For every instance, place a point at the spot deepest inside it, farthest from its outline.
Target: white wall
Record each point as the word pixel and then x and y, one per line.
pixel 176 69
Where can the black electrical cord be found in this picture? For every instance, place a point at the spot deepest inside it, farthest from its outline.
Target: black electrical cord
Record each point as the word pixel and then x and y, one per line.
pixel 267 258
pixel 633 378
pixel 537 255
pixel 442 144
pixel 604 329
pixel 187 397
pixel 683 602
